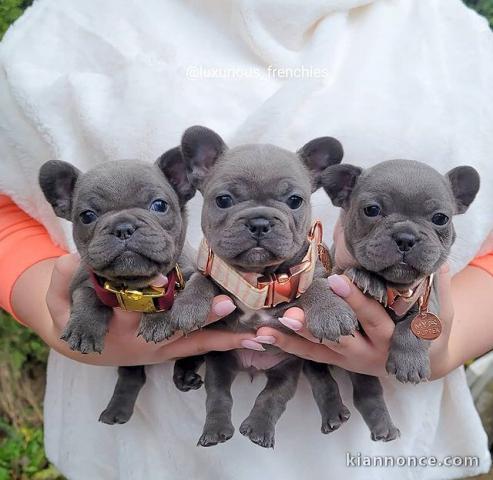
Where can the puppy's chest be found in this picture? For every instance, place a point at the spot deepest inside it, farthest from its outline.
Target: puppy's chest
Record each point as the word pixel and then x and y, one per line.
pixel 247 319
pixel 253 319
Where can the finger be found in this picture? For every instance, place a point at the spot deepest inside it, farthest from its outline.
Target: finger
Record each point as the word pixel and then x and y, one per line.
pixel 203 341
pixel 343 259
pixel 295 313
pixel 346 344
pixel 375 321
pixel 57 297
pixel 445 293
pixel 222 306
pixel 299 346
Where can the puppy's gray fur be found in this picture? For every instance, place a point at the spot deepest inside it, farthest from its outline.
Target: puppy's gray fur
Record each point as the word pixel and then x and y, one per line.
pixel 126 242
pixel 260 181
pixel 402 244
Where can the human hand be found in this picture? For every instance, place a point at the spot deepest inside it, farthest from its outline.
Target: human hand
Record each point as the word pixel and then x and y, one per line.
pixel 364 353
pixel 122 346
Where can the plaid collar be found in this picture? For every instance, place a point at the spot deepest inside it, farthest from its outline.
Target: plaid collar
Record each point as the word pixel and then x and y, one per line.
pixel 256 291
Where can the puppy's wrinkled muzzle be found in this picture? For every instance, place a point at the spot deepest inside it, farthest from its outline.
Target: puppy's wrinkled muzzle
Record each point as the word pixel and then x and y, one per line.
pixel 129 246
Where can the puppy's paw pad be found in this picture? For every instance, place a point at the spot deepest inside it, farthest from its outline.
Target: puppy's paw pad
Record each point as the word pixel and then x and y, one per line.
pixel 213 435
pixel 112 416
pixel 335 420
pixel 187 380
pixel 385 433
pixel 369 284
pixel 258 432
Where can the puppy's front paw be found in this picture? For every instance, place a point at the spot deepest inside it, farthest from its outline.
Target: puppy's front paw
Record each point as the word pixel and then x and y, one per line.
pixel 331 321
pixel 189 314
pixel 84 338
pixel 259 432
pixel 408 367
pixel 156 327
pixel 368 283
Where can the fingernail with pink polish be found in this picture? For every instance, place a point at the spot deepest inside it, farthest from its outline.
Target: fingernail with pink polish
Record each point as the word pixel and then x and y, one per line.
pixel 339 286
pixel 267 339
pixel 291 323
pixel 252 345
pixel 224 308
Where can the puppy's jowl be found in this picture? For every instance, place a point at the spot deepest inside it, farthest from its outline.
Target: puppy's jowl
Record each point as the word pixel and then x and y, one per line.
pixel 397 221
pixel 129 227
pixel 259 247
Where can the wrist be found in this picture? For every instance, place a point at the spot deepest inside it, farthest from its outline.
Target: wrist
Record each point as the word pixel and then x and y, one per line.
pixel 28 297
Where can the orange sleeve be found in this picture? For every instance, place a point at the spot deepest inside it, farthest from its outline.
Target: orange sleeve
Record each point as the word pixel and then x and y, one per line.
pixel 23 242
pixel 484 262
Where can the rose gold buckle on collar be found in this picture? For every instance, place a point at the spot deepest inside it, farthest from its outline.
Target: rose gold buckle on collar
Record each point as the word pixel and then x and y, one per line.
pixel 208 266
pixel 180 279
pixel 282 287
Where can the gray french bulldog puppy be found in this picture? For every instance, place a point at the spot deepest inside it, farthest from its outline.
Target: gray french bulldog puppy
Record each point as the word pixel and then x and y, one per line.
pixel 129 225
pixel 397 221
pixel 256 216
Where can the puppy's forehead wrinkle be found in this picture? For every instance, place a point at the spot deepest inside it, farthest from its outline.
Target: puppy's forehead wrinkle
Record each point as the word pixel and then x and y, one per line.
pixel 123 183
pixel 406 181
pixel 261 166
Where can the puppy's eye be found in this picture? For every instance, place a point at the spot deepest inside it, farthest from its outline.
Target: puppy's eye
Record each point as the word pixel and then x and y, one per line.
pixel 159 206
pixel 440 219
pixel 87 217
pixel 224 201
pixel 372 211
pixel 294 202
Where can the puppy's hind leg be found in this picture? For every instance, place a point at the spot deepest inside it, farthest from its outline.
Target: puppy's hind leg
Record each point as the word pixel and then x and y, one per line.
pixel 185 376
pixel 368 399
pixel 221 369
pixel 282 381
pixel 326 393
pixel 121 406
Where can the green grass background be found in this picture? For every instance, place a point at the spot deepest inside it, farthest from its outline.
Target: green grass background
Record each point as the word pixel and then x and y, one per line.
pixel 23 356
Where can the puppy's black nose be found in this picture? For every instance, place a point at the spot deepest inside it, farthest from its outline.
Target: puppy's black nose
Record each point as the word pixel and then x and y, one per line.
pixel 124 231
pixel 258 226
pixel 405 241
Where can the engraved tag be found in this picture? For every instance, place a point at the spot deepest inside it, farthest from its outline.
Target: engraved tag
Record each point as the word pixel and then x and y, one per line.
pixel 427 326
pixel 324 257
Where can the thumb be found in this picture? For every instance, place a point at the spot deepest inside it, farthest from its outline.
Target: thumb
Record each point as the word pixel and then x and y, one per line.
pixel 444 280
pixel 57 297
pixel 203 341
pixel 299 346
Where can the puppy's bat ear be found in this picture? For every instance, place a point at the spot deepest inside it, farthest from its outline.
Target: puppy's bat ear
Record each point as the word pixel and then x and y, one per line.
pixel 173 165
pixel 201 147
pixel 318 155
pixel 465 186
pixel 57 180
pixel 339 182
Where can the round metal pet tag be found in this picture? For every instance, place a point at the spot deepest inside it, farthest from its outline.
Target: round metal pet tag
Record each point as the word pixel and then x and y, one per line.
pixel 427 326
